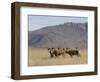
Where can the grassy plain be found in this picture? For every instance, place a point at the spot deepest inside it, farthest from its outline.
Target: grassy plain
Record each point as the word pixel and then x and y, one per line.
pixel 41 57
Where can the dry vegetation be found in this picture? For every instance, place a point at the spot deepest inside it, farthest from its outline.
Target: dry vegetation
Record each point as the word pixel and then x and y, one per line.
pixel 41 57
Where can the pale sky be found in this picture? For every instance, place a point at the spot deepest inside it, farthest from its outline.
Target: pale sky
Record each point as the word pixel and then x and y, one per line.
pixel 39 21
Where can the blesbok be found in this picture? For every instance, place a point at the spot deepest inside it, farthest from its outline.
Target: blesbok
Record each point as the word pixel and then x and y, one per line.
pixel 72 52
pixel 56 52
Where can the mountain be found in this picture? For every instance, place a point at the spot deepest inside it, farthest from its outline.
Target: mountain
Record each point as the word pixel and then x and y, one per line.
pixel 63 35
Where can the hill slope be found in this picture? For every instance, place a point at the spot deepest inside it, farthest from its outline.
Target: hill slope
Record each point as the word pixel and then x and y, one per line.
pixel 63 35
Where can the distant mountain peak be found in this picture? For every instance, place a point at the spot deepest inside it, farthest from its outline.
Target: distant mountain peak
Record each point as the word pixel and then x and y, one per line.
pixel 63 35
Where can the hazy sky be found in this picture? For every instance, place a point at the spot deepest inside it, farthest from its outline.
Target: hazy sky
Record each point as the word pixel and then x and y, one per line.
pixel 37 22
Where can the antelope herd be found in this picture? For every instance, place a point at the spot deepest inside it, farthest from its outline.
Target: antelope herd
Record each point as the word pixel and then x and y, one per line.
pixel 56 52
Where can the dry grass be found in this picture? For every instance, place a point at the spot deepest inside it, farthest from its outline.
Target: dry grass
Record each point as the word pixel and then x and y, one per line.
pixel 41 57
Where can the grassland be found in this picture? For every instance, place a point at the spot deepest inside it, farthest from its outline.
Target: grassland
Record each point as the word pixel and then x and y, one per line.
pixel 41 57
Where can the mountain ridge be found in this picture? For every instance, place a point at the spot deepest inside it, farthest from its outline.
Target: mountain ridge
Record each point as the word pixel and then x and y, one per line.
pixel 62 35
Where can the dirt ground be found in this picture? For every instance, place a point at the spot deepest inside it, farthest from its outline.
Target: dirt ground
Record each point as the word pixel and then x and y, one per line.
pixel 41 57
